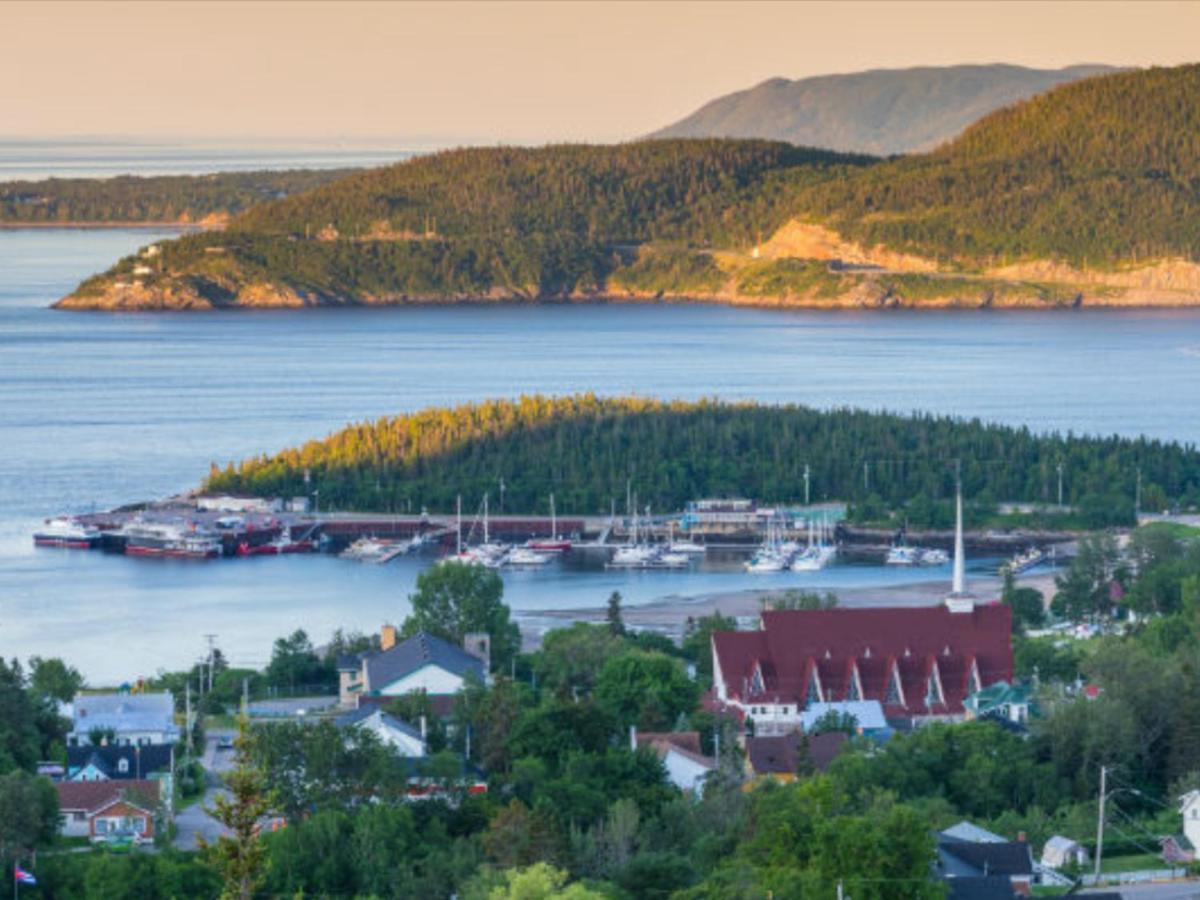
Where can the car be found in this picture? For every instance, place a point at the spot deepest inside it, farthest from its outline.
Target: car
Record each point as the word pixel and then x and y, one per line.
pixel 225 743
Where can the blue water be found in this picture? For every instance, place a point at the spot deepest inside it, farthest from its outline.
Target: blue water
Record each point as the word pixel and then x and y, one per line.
pixel 101 158
pixel 100 409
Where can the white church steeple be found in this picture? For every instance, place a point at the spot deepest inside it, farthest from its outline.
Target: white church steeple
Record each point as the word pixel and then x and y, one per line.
pixel 959 600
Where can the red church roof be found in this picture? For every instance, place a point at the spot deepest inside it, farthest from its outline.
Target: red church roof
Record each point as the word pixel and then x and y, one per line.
pixel 799 652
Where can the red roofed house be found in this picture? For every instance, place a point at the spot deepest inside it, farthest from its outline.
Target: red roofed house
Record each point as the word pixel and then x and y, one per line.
pixel 107 810
pixel 919 663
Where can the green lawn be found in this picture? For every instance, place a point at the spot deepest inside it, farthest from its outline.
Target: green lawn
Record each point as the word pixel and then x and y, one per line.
pixel 1132 862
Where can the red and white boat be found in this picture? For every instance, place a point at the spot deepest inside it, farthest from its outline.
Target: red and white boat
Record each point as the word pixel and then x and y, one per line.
pixel 281 544
pixel 553 544
pixel 64 531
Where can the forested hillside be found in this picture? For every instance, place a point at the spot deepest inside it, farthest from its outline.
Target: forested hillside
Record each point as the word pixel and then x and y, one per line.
pixel 583 448
pixel 1099 171
pixel 1100 175
pixel 882 111
pixel 160 198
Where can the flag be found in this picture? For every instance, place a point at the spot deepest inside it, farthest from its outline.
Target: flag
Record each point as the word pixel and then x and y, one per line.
pixel 23 877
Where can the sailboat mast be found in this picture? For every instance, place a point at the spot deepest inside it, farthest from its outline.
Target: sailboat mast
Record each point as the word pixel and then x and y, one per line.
pixel 486 537
pixel 553 520
pixel 458 524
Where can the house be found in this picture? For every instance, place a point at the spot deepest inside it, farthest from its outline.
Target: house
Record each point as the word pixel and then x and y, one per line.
pixel 105 811
pixel 423 662
pixel 120 762
pixel 1189 809
pixel 969 831
pixel 919 664
pixel 983 887
pixel 1002 701
pixel 867 715
pixel 407 741
pixel 779 756
pixel 958 858
pixel 1060 851
pixel 686 765
pixel 124 718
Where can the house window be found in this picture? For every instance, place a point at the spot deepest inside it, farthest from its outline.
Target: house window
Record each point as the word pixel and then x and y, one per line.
pixel 892 697
pixel 931 692
pixel 853 694
pixel 123 766
pixel 814 690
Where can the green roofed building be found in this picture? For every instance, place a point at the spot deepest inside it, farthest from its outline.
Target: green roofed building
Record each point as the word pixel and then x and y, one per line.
pixel 1004 701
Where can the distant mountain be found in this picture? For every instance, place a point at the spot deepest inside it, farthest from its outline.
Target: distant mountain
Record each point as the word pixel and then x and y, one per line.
pixel 881 112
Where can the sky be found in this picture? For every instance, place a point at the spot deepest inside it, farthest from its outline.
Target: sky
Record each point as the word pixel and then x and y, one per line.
pixel 463 72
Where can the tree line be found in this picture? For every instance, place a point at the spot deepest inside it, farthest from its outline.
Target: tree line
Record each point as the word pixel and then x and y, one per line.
pixel 586 450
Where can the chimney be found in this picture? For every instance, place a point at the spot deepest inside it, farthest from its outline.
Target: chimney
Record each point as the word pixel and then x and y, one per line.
pixel 1020 837
pixel 476 643
pixel 387 637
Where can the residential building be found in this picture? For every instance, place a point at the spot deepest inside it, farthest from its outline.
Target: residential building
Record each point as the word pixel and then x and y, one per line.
pixel 423 662
pixel 120 762
pixel 104 811
pixel 1060 851
pixel 1002 701
pixel 124 719
pixel 1189 809
pixel 868 716
pixel 687 767
pixel 406 740
pixel 1012 860
pixel 780 756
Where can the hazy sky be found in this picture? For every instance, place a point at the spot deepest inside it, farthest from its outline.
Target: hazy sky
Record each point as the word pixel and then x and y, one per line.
pixel 502 71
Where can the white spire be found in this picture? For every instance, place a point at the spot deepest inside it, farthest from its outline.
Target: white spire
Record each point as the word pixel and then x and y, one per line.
pixel 959 600
pixel 960 578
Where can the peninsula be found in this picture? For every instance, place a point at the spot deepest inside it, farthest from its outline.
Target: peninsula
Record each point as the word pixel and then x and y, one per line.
pixel 1083 196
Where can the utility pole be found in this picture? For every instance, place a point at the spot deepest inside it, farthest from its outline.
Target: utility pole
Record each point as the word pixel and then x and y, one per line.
pixel 187 718
pixel 245 696
pixel 1100 819
pixel 1060 468
pixel 211 659
pixel 841 894
pixel 806 484
pixel 1137 495
pixel 865 487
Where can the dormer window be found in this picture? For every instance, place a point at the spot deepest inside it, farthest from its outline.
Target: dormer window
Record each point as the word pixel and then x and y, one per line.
pixel 814 689
pixel 895 693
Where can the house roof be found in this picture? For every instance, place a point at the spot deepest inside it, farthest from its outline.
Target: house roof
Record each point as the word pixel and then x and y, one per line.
pixel 990 887
pixel 92 796
pixel 144 759
pixel 913 647
pixel 125 712
pixel 360 715
pixel 969 831
pixel 412 654
pixel 685 743
pixel 989 857
pixel 777 755
pixel 867 713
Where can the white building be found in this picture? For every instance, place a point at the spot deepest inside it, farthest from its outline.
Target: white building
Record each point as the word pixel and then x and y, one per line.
pixel 405 739
pixel 125 719
pixel 423 662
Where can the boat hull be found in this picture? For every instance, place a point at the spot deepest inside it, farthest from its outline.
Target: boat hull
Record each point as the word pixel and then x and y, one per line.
pixel 64 543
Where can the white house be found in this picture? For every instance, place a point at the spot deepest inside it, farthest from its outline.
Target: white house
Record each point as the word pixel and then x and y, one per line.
pixel 1189 808
pixel 1062 851
pixel 420 663
pixel 680 752
pixel 132 719
pixel 406 740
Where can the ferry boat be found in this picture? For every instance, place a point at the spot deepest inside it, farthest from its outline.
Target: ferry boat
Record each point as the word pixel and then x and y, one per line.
pixel 64 531
pixel 162 539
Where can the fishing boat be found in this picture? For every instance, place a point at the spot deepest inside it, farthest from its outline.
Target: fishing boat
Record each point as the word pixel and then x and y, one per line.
pixel 163 539
pixel 901 555
pixel 66 532
pixel 526 558
pixel 1023 562
pixel 934 557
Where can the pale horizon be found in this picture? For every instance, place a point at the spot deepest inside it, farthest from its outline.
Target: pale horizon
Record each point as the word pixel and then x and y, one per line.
pixel 434 74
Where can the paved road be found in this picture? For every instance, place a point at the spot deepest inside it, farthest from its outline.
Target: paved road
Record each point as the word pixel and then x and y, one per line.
pixel 195 822
pixel 1180 890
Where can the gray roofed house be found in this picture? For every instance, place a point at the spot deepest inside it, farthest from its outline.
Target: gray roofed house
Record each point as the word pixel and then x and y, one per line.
pixel 985 859
pixel 407 741
pixel 132 718
pixel 120 762
pixel 422 662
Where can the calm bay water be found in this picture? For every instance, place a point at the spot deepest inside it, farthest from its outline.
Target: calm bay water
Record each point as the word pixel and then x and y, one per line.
pixel 99 410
